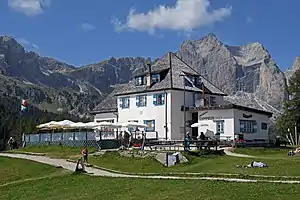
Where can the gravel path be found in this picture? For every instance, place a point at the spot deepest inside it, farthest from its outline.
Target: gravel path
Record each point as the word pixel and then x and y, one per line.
pixel 228 152
pixel 98 172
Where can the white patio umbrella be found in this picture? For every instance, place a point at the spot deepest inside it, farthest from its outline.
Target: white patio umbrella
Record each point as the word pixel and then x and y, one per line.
pixel 45 125
pixel 52 124
pixel 64 123
pixel 91 125
pixel 78 125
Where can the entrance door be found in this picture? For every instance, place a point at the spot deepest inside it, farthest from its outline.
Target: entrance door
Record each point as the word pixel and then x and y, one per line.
pixel 194 130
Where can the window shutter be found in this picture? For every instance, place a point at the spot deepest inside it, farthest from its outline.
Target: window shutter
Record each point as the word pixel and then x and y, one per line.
pixel 223 131
pixel 145 100
pixel 153 125
pixel 163 99
pixel 128 102
pixel 137 101
pixel 217 126
pixel 254 127
pixel 120 103
pixel 155 99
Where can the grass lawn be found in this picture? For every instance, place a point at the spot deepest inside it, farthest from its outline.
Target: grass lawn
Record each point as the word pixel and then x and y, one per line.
pixel 265 152
pixel 68 186
pixel 278 165
pixel 86 187
pixel 205 164
pixel 55 151
pixel 18 169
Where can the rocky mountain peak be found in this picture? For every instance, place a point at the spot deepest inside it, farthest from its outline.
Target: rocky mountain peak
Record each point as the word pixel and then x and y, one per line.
pixel 249 54
pixel 204 46
pixel 290 72
pixel 10 45
pixel 240 71
pixel 296 65
pixel 248 68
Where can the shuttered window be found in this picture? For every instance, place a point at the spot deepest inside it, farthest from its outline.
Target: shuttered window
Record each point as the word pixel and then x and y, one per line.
pixel 150 125
pixel 141 100
pixel 159 99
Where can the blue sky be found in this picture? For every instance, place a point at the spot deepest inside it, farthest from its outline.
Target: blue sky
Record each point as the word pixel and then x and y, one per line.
pixel 82 32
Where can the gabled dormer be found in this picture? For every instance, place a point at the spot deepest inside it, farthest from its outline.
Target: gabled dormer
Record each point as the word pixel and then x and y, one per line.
pixel 194 80
pixel 140 80
pixel 148 77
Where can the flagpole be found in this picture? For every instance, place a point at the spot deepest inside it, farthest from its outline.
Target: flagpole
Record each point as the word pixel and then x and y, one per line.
pixel 23 108
pixel 21 117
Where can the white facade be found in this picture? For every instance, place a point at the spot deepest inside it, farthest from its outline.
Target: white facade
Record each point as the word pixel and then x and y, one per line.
pixel 170 114
pixel 171 108
pixel 231 121
pixel 158 113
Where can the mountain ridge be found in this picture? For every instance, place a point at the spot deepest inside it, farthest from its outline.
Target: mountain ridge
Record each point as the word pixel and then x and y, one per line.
pixel 249 69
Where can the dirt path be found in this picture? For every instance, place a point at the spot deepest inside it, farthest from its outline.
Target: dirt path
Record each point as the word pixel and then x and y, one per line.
pixel 228 152
pixel 98 172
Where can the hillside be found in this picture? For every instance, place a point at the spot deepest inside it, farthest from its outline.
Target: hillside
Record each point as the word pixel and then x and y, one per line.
pixel 56 86
pixel 13 122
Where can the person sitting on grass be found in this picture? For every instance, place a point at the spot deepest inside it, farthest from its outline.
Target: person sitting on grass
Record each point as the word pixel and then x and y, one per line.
pixel 85 153
pixel 293 153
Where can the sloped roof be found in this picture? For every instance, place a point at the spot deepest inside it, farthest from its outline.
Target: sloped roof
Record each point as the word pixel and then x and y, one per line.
pixel 172 80
pixel 173 66
pixel 109 104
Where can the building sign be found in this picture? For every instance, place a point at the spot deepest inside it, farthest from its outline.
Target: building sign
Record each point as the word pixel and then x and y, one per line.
pixel 205 118
pixel 210 118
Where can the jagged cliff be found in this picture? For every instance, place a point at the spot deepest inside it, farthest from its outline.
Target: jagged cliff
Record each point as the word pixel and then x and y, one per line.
pixel 249 68
pixel 244 72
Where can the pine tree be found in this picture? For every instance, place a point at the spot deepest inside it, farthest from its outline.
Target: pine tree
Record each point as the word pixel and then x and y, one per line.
pixel 291 113
pixel 12 122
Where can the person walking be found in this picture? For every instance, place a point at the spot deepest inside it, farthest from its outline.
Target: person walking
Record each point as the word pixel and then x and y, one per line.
pixel 11 142
pixel 85 154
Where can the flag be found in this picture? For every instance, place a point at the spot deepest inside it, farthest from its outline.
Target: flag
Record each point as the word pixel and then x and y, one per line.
pixel 24 106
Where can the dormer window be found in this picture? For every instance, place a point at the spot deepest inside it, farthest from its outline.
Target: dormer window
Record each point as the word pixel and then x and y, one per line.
pixel 197 80
pixel 140 80
pixel 155 78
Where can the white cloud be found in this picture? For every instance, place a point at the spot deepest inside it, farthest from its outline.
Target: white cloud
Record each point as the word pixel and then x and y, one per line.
pixel 87 27
pixel 27 44
pixel 249 20
pixel 29 7
pixel 185 15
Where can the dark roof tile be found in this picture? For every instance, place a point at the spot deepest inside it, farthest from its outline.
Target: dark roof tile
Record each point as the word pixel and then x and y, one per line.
pixel 172 80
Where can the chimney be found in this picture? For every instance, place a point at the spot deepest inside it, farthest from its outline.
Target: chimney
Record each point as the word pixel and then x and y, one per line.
pixel 148 75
